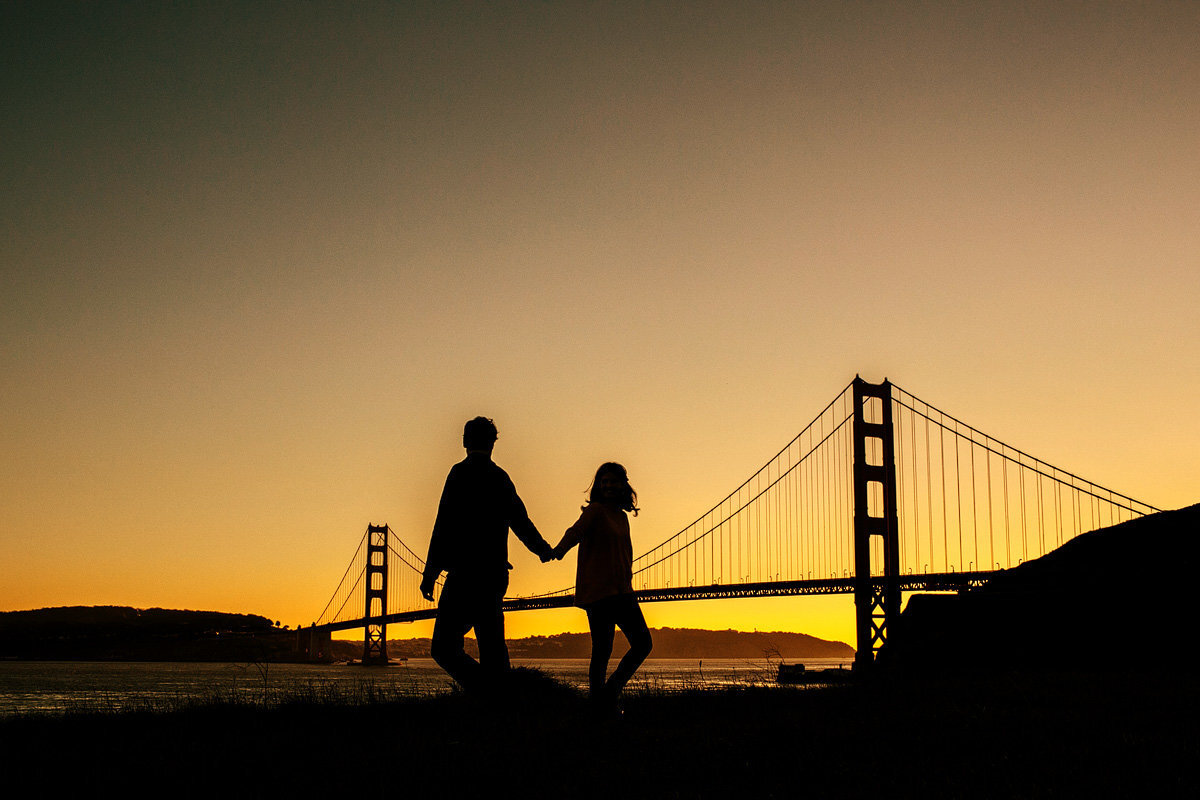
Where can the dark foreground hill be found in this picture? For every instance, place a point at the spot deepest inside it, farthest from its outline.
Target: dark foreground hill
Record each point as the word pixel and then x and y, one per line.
pixel 1104 598
pixel 1058 735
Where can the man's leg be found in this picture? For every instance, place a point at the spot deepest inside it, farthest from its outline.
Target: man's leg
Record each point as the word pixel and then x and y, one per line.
pixel 453 622
pixel 489 633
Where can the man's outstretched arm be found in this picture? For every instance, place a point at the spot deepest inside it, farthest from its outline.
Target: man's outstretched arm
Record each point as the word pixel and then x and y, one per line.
pixel 527 532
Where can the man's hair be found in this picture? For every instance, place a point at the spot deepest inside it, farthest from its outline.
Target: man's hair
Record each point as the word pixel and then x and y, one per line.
pixel 479 434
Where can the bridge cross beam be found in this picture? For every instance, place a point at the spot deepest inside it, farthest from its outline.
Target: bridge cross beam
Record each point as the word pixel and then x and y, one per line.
pixel 375 629
pixel 877 603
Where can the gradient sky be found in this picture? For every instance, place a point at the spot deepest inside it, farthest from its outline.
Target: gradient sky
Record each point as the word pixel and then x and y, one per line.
pixel 259 262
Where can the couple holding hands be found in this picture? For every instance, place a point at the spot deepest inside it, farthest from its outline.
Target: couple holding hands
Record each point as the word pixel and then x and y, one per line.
pixel 470 544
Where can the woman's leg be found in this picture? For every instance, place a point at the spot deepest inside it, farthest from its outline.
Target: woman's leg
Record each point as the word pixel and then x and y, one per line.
pixel 602 627
pixel 629 617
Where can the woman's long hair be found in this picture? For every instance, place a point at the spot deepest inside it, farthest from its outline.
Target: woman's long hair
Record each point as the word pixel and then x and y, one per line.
pixel 627 497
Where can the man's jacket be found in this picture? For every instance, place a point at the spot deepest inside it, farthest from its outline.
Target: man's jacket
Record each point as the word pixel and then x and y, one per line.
pixel 479 504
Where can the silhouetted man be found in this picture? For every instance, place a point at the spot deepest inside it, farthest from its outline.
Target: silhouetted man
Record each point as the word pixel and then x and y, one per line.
pixel 470 543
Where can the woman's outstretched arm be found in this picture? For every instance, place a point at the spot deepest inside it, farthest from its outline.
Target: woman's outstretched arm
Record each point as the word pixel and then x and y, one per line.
pixel 575 533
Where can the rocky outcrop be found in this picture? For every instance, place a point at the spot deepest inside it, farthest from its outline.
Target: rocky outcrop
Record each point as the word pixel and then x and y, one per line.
pixel 1106 599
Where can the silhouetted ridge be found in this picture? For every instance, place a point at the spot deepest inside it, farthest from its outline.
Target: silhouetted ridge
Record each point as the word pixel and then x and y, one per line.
pixel 67 620
pixel 124 633
pixel 1102 600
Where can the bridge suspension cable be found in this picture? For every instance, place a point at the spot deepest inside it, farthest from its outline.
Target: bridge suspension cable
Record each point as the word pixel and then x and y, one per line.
pixel 790 520
pixel 346 588
pixel 966 503
pixel 403 590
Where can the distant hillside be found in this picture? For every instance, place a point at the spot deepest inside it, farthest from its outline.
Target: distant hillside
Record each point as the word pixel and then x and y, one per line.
pixel 92 620
pixel 151 634
pixel 1101 600
pixel 668 643
pixel 121 633
pixel 691 643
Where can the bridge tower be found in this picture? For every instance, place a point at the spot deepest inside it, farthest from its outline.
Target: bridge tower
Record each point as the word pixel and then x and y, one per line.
pixel 877 602
pixel 375 640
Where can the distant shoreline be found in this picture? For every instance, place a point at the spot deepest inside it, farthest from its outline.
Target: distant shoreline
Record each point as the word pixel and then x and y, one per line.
pixel 118 633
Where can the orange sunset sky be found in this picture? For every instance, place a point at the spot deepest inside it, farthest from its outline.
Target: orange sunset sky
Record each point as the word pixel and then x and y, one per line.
pixel 260 261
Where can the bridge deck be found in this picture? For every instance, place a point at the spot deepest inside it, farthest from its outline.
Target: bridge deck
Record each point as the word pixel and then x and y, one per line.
pixel 931 582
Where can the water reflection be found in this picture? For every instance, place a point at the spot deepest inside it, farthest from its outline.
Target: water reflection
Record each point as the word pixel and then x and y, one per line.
pixel 65 686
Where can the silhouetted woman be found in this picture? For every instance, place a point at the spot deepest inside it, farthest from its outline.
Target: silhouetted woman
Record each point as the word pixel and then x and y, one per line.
pixel 604 579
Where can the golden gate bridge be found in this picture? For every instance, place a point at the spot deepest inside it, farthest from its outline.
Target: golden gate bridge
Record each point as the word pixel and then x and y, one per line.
pixel 879 494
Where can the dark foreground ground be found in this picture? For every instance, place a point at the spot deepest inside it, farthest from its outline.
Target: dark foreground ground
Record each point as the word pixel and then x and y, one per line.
pixel 1060 735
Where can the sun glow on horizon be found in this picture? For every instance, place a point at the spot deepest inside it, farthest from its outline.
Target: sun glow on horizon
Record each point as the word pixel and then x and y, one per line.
pixel 257 270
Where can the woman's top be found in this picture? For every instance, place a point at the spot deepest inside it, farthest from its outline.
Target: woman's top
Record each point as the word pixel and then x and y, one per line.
pixel 605 566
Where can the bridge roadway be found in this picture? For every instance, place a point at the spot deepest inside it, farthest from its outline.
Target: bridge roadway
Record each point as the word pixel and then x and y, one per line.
pixel 928 582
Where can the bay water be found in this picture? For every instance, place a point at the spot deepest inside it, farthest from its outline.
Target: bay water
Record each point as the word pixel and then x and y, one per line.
pixel 66 686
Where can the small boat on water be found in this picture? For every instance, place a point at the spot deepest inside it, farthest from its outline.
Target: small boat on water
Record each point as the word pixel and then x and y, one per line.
pixel 796 673
pixel 790 673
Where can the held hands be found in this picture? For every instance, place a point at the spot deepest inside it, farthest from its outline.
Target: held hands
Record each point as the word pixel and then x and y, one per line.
pixel 553 554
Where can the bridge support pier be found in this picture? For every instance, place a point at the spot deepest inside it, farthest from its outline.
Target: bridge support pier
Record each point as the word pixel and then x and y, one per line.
pixel 876 601
pixel 375 639
pixel 314 644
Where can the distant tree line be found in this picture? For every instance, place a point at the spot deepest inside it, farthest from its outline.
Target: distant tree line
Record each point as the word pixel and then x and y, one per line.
pixel 124 633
